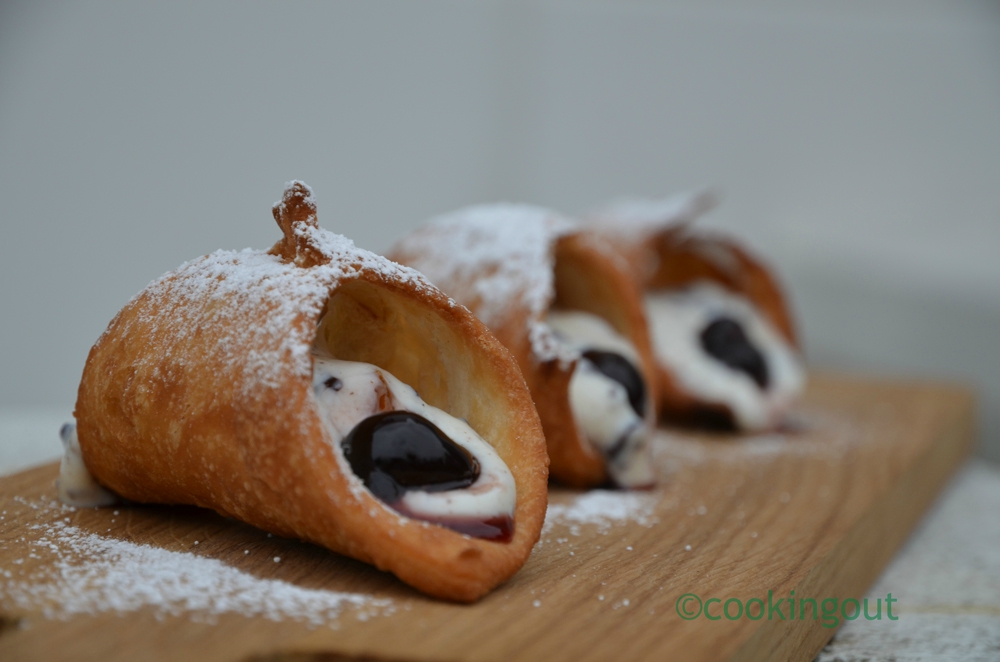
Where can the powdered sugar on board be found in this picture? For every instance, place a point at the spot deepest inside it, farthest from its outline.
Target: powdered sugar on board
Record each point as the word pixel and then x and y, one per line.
pixel 495 259
pixel 603 509
pixel 86 573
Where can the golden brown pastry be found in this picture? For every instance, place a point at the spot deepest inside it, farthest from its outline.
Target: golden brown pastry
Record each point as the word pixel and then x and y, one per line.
pixel 565 306
pixel 274 387
pixel 721 327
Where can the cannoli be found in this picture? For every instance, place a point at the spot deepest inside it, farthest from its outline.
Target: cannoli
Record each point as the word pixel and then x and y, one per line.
pixel 321 392
pixel 722 332
pixel 565 306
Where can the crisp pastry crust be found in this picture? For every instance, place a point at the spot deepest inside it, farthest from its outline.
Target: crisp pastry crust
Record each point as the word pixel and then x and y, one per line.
pixel 199 392
pixel 510 264
pixel 664 252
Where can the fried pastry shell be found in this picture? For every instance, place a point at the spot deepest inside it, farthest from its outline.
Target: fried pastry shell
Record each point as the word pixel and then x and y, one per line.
pixel 664 252
pixel 200 393
pixel 509 264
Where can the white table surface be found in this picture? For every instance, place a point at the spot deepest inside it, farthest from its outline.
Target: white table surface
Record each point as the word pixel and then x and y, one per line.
pixel 946 577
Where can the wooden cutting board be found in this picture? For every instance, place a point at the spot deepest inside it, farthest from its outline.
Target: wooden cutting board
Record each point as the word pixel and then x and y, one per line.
pixel 817 510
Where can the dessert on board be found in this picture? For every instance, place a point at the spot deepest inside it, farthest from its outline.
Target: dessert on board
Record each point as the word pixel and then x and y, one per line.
pixel 721 328
pixel 318 391
pixel 564 304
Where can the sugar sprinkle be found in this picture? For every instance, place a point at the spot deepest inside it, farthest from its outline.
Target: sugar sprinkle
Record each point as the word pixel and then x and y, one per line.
pixel 495 259
pixel 92 574
pixel 603 509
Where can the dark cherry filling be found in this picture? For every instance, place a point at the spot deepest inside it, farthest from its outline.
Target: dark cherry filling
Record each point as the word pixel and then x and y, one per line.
pixel 725 340
pixel 398 451
pixel 496 529
pixel 620 369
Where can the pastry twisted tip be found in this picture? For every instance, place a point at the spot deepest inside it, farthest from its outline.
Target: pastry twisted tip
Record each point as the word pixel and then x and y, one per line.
pixel 295 213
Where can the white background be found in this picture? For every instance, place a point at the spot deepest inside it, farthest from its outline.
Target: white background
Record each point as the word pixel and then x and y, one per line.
pixel 856 143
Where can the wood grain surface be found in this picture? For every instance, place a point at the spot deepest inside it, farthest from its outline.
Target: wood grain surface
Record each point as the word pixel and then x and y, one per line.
pixel 818 509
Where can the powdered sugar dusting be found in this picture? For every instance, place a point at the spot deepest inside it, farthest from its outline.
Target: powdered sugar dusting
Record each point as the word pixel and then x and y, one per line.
pixel 91 574
pixel 291 184
pixel 492 258
pixel 603 509
pixel 256 300
pixel 638 217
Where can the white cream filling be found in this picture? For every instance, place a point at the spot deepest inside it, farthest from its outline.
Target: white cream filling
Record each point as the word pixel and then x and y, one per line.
pixel 676 320
pixel 75 485
pixel 600 405
pixel 365 390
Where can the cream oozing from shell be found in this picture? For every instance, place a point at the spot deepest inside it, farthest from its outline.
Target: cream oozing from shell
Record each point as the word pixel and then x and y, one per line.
pixel 600 404
pixel 348 392
pixel 75 485
pixel 677 320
